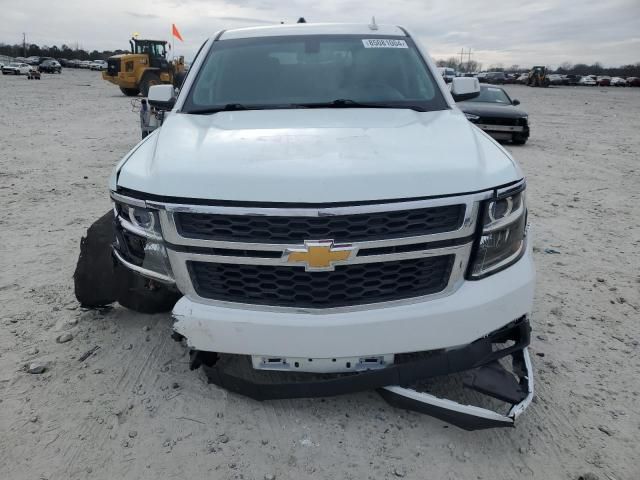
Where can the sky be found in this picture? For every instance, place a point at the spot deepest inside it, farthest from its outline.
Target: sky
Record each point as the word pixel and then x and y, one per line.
pixel 546 32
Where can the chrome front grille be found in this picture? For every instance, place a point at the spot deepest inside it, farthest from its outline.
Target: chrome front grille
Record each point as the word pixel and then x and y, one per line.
pixel 340 228
pixel 398 252
pixel 347 285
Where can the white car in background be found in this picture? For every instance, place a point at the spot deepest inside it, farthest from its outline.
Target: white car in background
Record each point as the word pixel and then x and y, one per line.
pixel 98 65
pixel 447 73
pixel 587 81
pixel 15 68
pixel 618 82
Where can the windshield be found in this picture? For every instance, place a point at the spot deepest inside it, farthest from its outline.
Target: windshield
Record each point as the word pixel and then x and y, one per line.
pixel 492 95
pixel 290 71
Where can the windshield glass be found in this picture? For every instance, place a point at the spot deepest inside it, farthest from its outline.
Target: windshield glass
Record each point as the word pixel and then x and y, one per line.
pixel 492 95
pixel 277 72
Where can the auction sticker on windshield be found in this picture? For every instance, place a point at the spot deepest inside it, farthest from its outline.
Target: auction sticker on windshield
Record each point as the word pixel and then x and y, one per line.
pixel 383 43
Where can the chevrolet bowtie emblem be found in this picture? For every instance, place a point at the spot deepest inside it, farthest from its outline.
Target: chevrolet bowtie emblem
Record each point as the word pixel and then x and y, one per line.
pixel 319 255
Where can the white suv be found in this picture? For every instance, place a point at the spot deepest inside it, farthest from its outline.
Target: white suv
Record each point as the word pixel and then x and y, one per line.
pixel 321 205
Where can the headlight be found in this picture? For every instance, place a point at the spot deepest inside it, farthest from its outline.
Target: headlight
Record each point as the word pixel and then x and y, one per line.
pixel 503 239
pixel 139 240
pixel 137 219
pixel 472 117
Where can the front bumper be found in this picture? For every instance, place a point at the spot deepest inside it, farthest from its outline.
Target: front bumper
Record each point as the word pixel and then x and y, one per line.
pixel 472 311
pixel 480 360
pixel 505 132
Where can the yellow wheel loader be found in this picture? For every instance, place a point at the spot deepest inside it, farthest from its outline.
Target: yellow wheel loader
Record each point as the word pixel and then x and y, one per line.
pixel 538 77
pixel 145 66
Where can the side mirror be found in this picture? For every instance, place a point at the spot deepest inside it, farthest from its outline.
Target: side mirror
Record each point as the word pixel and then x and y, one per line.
pixel 162 97
pixel 515 101
pixel 465 88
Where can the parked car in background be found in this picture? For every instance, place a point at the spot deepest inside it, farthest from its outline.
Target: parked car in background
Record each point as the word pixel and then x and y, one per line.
pixel 15 68
pixel 495 112
pixel 84 64
pixel 570 79
pixel 447 73
pixel 522 78
pixel 633 81
pixel 50 66
pixel 603 81
pixel 554 79
pixel 618 82
pixel 587 80
pixel 482 77
pixel 33 60
pixel 98 65
pixel 496 78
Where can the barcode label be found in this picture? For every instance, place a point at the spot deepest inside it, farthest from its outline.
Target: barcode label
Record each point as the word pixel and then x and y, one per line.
pixel 383 43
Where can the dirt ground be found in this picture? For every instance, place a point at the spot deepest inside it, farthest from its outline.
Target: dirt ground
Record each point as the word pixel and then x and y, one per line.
pixel 133 410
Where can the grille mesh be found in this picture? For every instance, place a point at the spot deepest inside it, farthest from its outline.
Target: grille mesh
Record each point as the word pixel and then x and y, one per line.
pixel 342 228
pixel 348 285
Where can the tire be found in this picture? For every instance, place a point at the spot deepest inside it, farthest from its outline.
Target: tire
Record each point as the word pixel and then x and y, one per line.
pixel 519 140
pixel 149 79
pixel 130 92
pixel 100 280
pixel 140 295
pixel 94 282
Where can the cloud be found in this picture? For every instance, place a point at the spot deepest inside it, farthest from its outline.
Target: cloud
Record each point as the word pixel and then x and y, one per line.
pixel 142 15
pixel 246 20
pixel 497 31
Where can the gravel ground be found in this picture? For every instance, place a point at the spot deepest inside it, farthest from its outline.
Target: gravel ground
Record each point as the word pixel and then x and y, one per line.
pixel 133 409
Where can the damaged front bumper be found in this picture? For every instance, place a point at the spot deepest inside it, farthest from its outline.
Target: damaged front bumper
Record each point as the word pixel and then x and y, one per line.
pixel 483 362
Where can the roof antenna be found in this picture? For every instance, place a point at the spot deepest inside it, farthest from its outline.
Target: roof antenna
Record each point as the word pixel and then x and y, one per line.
pixel 301 20
pixel 373 25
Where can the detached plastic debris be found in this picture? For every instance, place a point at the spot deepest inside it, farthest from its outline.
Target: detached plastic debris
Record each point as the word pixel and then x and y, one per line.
pixel 489 380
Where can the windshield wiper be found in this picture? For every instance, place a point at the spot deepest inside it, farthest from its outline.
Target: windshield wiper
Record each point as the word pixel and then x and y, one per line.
pixel 347 103
pixel 233 107
pixel 229 107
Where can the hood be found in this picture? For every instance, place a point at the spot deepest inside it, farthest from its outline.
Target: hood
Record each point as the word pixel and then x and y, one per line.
pixel 491 110
pixel 316 156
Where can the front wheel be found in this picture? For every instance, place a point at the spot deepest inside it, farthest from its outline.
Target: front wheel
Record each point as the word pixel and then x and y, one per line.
pixel 519 139
pixel 148 80
pixel 130 92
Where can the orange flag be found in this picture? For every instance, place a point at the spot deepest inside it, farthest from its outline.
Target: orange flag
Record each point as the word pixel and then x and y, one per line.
pixel 175 32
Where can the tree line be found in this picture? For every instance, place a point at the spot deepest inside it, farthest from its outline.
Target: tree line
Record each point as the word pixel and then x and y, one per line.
pixel 68 52
pixel 64 51
pixel 630 70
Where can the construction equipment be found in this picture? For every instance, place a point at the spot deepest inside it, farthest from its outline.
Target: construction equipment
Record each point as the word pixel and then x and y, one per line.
pixel 538 77
pixel 145 66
